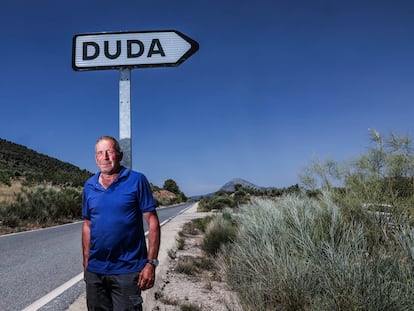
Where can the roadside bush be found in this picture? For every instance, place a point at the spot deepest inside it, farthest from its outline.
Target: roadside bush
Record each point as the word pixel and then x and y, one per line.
pixel 8 219
pixel 5 178
pixel 299 253
pixel 42 205
pixel 218 202
pixel 221 202
pixel 70 203
pixel 180 241
pixel 240 197
pixel 204 205
pixel 193 265
pixel 218 232
pixel 196 225
pixel 383 175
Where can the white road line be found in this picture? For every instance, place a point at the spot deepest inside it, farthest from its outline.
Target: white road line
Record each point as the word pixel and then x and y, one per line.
pixel 53 294
pixel 40 229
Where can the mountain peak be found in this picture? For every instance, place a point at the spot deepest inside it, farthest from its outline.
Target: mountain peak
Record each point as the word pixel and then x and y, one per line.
pixel 229 186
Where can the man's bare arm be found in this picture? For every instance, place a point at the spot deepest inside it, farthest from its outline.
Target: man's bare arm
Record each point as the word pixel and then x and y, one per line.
pixel 147 276
pixel 86 242
pixel 154 234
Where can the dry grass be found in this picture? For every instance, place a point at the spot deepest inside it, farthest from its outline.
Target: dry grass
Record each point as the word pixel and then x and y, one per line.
pixel 7 193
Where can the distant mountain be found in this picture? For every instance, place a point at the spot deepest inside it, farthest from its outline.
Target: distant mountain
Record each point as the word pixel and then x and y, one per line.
pixel 17 161
pixel 229 186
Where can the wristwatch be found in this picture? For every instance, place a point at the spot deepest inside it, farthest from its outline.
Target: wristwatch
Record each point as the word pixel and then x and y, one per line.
pixel 153 262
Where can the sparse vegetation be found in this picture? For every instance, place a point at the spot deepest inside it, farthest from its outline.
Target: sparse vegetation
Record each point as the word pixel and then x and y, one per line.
pixel 382 176
pixel 190 307
pixel 37 190
pixel 219 232
pixel 241 195
pixel 180 242
pixel 41 206
pixel 345 243
pixel 301 253
pixel 195 268
pixel 194 265
pixel 196 226
pixel 174 302
pixel 172 253
pixel 186 265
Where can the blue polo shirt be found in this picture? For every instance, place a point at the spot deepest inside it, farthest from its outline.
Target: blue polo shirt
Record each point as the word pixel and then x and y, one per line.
pixel 117 243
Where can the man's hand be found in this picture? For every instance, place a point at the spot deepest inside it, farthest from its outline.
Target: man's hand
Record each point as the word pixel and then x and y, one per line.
pixel 146 277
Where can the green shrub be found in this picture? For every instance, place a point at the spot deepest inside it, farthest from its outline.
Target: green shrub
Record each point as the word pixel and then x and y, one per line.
pixel 204 205
pixel 180 242
pixel 383 175
pixel 42 205
pixel 186 265
pixel 11 221
pixel 218 232
pixel 299 253
pixel 190 307
pixel 5 178
pixel 219 201
pixel 193 265
pixel 197 225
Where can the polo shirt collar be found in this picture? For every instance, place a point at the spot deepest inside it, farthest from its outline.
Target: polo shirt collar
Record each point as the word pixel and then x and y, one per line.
pixel 123 173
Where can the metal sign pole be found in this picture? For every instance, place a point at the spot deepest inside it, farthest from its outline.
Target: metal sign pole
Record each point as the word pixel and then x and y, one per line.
pixel 163 48
pixel 125 116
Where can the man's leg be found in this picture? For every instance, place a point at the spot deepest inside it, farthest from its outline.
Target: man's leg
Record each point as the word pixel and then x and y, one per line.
pixel 126 295
pixel 98 296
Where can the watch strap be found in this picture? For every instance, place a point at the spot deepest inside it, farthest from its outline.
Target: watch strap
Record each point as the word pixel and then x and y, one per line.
pixel 153 262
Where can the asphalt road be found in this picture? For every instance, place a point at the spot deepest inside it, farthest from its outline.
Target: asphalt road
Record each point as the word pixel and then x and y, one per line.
pixel 34 263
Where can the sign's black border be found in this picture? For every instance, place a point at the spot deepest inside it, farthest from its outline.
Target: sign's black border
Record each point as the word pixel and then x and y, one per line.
pixel 194 48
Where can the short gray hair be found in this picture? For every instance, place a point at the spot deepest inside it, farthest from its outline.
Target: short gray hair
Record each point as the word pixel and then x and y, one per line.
pixel 116 143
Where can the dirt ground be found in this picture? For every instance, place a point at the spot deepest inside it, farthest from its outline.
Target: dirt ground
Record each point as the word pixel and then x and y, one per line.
pixel 203 289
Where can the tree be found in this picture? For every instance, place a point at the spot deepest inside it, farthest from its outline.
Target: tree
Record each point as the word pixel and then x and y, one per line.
pixel 384 174
pixel 171 185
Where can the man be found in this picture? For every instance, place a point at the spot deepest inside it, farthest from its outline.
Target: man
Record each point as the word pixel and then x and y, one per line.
pixel 117 264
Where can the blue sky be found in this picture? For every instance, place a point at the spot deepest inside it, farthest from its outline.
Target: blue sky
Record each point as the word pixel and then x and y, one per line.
pixel 274 84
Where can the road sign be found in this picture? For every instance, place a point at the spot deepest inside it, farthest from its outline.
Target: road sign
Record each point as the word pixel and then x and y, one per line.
pixel 125 51
pixel 140 49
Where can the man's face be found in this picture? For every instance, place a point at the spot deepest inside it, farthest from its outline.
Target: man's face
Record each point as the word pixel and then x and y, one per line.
pixel 107 158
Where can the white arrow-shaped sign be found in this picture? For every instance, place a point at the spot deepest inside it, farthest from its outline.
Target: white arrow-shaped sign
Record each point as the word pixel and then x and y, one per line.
pixel 115 50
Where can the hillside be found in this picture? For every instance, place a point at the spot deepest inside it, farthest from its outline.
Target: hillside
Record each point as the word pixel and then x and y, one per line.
pixel 20 162
pixel 229 186
pixel 164 197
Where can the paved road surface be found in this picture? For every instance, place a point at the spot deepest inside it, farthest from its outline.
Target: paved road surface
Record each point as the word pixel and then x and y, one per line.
pixel 32 264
